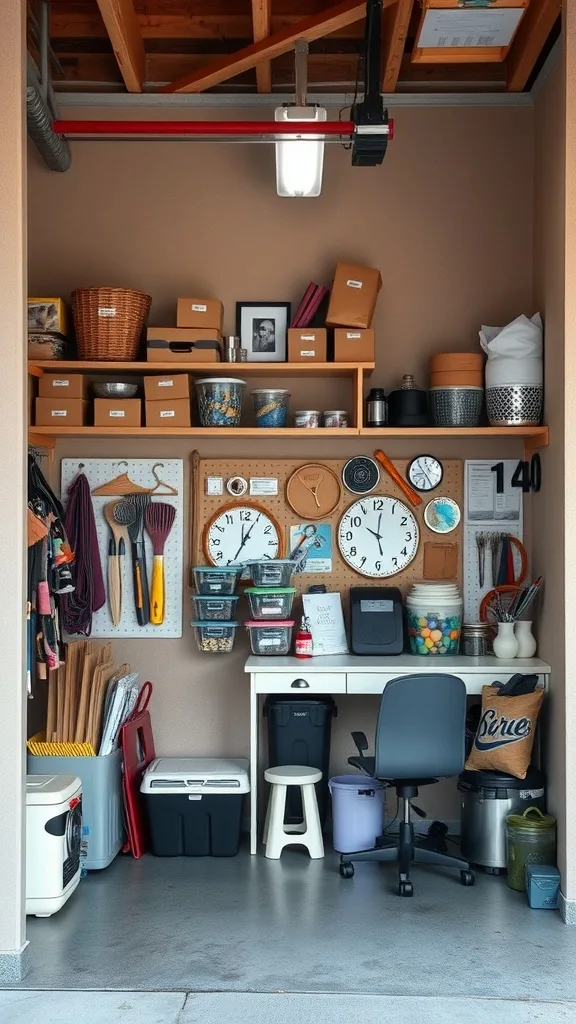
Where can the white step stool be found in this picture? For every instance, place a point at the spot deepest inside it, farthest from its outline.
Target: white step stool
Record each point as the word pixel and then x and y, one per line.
pixel 277 834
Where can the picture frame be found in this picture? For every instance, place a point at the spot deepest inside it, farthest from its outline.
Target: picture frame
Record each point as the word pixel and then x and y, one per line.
pixel 263 330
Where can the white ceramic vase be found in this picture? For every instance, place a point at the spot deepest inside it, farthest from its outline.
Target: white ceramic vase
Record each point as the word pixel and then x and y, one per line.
pixel 505 643
pixel 526 640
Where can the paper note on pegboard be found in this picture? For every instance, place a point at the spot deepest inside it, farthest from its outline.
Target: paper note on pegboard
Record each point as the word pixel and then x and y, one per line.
pixel 101 471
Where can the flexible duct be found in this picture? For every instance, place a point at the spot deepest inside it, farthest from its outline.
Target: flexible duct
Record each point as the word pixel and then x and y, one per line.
pixel 53 149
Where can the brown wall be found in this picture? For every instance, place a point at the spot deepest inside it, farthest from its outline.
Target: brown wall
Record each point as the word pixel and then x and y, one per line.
pixel 548 516
pixel 447 219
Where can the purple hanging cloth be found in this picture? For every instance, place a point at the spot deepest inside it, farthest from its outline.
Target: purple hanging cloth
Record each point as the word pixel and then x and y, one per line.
pixel 89 595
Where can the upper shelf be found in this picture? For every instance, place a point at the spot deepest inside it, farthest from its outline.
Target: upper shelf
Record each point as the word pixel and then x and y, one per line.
pixel 36 367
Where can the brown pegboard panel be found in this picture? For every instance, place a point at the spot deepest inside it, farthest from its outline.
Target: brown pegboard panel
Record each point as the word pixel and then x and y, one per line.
pixel 342 577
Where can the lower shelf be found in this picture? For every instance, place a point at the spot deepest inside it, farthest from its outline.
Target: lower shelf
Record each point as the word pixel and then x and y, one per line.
pixel 534 437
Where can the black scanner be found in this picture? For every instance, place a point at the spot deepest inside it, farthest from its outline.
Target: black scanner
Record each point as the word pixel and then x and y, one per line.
pixel 376 624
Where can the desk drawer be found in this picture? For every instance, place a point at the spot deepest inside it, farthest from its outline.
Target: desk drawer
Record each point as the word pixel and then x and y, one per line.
pixel 374 682
pixel 318 682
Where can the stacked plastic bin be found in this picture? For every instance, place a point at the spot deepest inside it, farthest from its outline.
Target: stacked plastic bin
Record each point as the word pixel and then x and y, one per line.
pixel 214 604
pixel 270 599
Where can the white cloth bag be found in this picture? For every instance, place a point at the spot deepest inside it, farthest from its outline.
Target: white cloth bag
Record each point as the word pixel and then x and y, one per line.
pixel 514 352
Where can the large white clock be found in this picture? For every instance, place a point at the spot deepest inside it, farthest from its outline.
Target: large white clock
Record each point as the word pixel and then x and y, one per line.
pixel 378 536
pixel 242 532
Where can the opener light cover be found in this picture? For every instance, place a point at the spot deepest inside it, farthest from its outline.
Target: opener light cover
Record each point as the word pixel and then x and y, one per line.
pixel 299 161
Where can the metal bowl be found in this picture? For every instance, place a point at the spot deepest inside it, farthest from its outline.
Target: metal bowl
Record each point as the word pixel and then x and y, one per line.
pixel 115 390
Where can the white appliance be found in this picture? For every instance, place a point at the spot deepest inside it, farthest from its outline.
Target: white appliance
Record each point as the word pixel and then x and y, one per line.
pixel 53 838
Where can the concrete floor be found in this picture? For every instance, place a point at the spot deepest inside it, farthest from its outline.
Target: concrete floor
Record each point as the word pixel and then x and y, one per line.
pixel 248 925
pixel 281 1008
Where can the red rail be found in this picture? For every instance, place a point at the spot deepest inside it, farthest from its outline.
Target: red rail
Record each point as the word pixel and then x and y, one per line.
pixel 215 128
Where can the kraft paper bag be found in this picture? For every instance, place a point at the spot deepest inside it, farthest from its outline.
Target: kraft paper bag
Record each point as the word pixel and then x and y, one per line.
pixel 505 734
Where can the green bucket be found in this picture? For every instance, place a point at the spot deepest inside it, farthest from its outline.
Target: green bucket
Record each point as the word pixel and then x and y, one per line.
pixel 530 839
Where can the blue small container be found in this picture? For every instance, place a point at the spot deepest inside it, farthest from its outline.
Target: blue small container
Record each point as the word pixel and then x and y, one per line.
pixel 270 407
pixel 220 401
pixel 542 886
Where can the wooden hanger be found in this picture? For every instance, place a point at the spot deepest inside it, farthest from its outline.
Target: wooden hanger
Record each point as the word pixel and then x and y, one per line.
pixel 168 489
pixel 122 484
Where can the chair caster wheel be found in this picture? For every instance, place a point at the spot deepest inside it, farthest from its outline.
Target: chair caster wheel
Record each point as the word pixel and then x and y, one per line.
pixel 347 870
pixel 405 889
pixel 467 878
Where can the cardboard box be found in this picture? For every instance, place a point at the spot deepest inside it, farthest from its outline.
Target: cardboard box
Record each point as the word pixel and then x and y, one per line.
pixel 61 412
pixel 353 297
pixel 51 314
pixel 63 385
pixel 117 412
pixel 167 388
pixel 178 344
pixel 169 414
pixel 200 313
pixel 352 346
pixel 307 344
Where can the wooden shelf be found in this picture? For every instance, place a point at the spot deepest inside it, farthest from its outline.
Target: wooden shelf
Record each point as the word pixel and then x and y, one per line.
pixel 192 432
pixel 37 367
pixel 533 437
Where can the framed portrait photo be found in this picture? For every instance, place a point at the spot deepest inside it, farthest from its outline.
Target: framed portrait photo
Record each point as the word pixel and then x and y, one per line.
pixel 263 329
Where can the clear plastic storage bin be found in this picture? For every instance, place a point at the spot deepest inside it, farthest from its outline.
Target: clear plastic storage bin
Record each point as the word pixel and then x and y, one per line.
pixel 215 638
pixel 214 609
pixel 270 602
pixel 211 580
pixel 270 572
pixel 270 637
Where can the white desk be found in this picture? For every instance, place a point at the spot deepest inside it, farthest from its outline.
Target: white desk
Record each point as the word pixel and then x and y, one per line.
pixel 348 673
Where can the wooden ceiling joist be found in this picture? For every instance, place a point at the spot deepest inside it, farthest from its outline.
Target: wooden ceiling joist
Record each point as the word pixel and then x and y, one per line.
pixel 314 27
pixel 532 34
pixel 122 26
pixel 395 25
pixel 261 18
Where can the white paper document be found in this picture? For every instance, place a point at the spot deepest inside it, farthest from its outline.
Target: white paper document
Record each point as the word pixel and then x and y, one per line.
pixel 324 613
pixel 466 27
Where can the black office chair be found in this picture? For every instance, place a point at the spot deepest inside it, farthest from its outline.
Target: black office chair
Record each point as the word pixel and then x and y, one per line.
pixel 419 738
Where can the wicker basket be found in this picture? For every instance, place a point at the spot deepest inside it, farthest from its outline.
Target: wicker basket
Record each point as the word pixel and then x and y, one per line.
pixel 109 322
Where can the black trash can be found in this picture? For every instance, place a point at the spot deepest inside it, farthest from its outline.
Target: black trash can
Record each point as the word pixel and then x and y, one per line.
pixel 299 732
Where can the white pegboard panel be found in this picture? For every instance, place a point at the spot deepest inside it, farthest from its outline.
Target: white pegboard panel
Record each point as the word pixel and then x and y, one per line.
pixel 501 521
pixel 100 471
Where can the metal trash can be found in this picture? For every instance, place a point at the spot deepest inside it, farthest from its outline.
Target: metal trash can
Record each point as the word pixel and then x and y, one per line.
pixel 487 798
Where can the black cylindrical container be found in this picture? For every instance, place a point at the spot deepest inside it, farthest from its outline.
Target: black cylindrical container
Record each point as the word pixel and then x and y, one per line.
pixel 408 405
pixel 299 732
pixel 376 408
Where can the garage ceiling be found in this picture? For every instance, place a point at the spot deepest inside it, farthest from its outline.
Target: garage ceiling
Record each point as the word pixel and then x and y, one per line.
pixel 246 46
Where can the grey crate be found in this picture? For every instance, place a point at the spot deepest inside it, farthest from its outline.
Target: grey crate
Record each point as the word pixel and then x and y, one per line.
pixel 102 811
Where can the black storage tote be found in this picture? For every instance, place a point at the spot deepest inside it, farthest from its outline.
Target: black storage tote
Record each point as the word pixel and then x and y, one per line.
pixel 299 732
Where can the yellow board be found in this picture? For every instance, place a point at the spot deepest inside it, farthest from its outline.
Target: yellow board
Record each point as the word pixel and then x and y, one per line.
pixel 48 314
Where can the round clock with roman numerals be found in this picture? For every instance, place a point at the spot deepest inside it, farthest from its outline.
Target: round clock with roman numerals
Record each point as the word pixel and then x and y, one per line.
pixel 378 536
pixel 242 532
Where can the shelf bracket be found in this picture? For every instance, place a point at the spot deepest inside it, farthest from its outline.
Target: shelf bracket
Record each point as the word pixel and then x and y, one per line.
pixel 532 444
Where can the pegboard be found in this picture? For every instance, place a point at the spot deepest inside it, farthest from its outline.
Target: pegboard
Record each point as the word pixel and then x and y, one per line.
pixel 100 471
pixel 342 576
pixel 473 592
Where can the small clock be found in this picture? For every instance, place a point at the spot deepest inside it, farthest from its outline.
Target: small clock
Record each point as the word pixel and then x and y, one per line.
pixel 425 472
pixel 378 536
pixel 242 532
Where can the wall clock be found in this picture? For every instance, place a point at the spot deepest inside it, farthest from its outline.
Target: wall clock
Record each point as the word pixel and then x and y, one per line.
pixel 241 532
pixel 378 536
pixel 425 472
pixel 313 491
